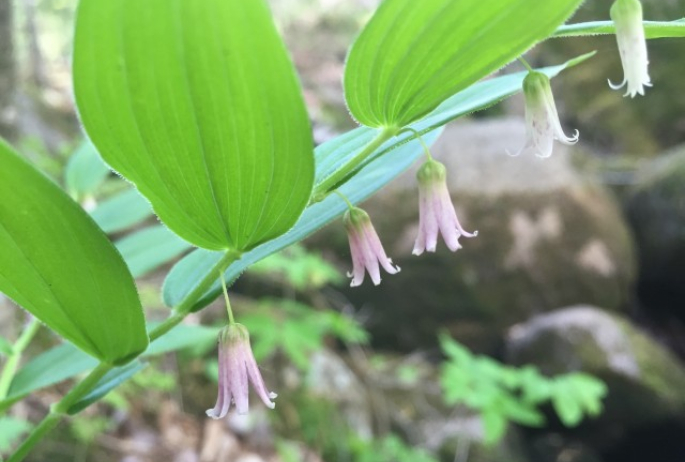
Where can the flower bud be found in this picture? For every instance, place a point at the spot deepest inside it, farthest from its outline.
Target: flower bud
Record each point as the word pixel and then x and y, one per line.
pixel 632 46
pixel 542 120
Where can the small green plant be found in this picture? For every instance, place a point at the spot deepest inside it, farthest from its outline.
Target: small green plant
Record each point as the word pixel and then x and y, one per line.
pixel 199 106
pixel 299 268
pixel 297 330
pixel 390 448
pixel 503 394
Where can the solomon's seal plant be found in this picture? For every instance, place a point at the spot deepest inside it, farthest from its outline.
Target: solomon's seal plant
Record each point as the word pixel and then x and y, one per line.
pixel 198 105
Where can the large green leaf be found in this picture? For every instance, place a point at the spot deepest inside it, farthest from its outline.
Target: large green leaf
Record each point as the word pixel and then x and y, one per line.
pixel 85 171
pixel 413 55
pixel 121 211
pixel 384 166
pixel 188 272
pixel 56 263
pixel 653 29
pixel 197 103
pixel 65 361
pixel 149 248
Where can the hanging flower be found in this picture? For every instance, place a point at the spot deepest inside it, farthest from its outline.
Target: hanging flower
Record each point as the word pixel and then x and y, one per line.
pixel 366 248
pixel 542 119
pixel 236 366
pixel 632 46
pixel 436 212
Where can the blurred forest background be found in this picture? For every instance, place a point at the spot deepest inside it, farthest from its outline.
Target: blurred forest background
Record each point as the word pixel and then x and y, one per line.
pixel 578 267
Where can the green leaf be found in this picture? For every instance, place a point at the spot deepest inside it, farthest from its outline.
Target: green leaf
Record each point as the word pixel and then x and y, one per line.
pixel 384 166
pixel 458 353
pixel 535 388
pixel 565 403
pixel 149 248
pixel 494 425
pixel 85 171
pixel 653 29
pixel 11 429
pixel 588 390
pixel 48 368
pixel 65 361
pixel 58 265
pixel 181 337
pixel 522 413
pixel 185 274
pixel 5 347
pixel 121 211
pixel 301 268
pixel 413 55
pixel 110 381
pixel 197 103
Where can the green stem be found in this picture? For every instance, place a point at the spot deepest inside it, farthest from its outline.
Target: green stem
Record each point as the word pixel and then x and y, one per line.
pixel 228 302
pixel 343 197
pixel 12 363
pixel 182 309
pixel 525 63
pixel 324 188
pixel 60 409
pixel 417 136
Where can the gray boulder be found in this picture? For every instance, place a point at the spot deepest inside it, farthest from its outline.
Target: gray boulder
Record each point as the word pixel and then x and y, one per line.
pixel 549 237
pixel 645 380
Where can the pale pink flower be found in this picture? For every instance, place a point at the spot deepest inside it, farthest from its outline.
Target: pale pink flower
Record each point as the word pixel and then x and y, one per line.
pixel 436 212
pixel 542 120
pixel 632 46
pixel 366 248
pixel 237 366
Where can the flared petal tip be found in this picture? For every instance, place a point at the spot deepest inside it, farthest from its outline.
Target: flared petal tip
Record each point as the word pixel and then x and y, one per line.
pixel 466 234
pixel 569 140
pixel 214 415
pixel 614 86
pixel 513 154
pixel 390 267
pixel 632 90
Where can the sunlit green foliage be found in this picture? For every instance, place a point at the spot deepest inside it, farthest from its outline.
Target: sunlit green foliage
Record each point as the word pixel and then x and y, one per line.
pixel 299 268
pixel 503 394
pixel 297 330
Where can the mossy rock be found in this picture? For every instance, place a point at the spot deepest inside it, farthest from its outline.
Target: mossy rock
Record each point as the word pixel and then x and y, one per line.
pixel 645 380
pixel 547 238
